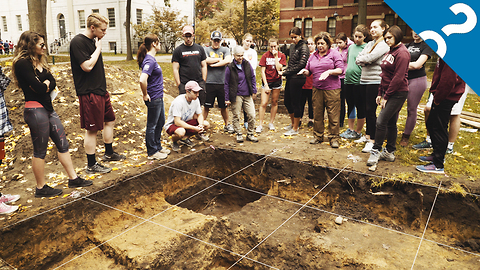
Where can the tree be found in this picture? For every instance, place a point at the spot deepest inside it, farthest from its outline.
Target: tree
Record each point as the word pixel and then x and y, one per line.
pixel 127 27
pixel 206 9
pixel 262 18
pixel 230 20
pixel 165 23
pixel 37 17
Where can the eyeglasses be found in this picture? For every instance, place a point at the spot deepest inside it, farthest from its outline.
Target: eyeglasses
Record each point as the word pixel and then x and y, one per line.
pixel 188 35
pixel 217 40
pixel 42 45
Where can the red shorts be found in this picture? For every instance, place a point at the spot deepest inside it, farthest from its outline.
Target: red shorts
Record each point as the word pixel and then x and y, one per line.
pixel 95 110
pixel 188 132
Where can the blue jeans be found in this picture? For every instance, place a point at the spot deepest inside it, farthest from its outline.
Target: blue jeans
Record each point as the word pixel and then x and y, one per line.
pixel 155 122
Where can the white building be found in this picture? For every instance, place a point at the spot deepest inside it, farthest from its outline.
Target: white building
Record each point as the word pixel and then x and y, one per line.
pixel 66 18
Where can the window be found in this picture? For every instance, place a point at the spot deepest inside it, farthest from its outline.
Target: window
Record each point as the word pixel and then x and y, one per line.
pixel 402 25
pixel 139 16
pixel 355 1
pixel 308 3
pixel 390 19
pixel 4 21
pixel 95 11
pixel 332 25
pixel 332 2
pixel 308 28
pixel 111 17
pixel 81 18
pixel 298 3
pixel 19 22
pixel 298 23
pixel 354 23
pixel 113 46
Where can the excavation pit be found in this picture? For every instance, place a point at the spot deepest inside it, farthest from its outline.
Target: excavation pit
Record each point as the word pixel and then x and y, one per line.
pixel 224 209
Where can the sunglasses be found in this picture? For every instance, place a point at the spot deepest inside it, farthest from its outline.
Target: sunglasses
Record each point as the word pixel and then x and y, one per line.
pixel 42 45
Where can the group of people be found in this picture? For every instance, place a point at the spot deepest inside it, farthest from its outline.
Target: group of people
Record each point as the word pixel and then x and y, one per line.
pixel 376 69
pixel 6 47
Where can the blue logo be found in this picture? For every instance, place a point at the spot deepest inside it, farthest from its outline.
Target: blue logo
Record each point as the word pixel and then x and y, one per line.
pixel 449 27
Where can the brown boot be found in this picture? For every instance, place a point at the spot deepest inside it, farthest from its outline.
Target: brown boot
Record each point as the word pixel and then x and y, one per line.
pixel 405 139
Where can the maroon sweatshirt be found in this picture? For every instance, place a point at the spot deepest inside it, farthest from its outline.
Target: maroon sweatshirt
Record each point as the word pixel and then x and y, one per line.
pixel 446 84
pixel 394 71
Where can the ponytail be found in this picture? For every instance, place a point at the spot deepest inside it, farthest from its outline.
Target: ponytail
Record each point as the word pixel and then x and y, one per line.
pixel 145 47
pixel 142 51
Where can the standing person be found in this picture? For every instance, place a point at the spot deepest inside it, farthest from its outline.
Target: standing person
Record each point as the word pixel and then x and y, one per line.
pixel 298 57
pixel 185 117
pixel 370 59
pixel 353 92
pixel 343 43
pixel 188 62
pixel 151 83
pixel 6 47
pixel 96 112
pixel 33 76
pixel 417 82
pixel 272 62
pixel 218 57
pixel 252 57
pixel 325 65
pixel 392 94
pixel 447 89
pixel 307 87
pixel 240 91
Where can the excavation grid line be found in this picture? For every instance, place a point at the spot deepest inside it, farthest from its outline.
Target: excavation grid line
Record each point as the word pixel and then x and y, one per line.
pixel 426 225
pixel 288 219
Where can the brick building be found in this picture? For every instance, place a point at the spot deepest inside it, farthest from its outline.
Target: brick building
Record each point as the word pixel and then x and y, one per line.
pixel 333 16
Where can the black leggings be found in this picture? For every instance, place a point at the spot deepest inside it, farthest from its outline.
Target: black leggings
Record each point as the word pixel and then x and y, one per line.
pixel 44 124
pixel 371 92
pixel 293 96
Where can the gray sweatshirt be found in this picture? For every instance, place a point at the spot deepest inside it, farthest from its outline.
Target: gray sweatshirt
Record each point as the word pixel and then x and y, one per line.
pixel 370 62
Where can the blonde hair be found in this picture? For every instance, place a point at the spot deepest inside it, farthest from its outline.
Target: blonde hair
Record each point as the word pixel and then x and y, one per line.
pixel 26 49
pixel 96 20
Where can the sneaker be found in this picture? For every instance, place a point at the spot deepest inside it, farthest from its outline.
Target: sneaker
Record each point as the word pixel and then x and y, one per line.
pixel 259 129
pixel 113 157
pixel 310 124
pixel 428 159
pixel 291 132
pixel 368 147
pixel 316 141
pixel 353 135
pixel 361 140
pixel 79 182
pixel 422 145
pixel 449 151
pixel 165 151
pixel 374 157
pixel 97 168
pixel 252 138
pixel 7 198
pixel 228 129
pixel 175 147
pixel 430 168
pixel 158 156
pixel 203 137
pixel 271 126
pixel 345 133
pixel 245 124
pixel 239 138
pixel 7 209
pixel 288 127
pixel 334 143
pixel 47 191
pixel 187 142
pixel 388 156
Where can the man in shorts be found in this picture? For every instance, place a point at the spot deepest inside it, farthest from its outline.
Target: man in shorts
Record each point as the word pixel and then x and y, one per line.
pixel 185 117
pixel 218 58
pixel 188 62
pixel 96 112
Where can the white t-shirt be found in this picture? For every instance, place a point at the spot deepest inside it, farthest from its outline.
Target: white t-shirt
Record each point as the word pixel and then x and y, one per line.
pixel 251 56
pixel 181 108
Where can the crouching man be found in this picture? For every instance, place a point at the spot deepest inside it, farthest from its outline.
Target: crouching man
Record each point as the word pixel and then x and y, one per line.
pixel 185 117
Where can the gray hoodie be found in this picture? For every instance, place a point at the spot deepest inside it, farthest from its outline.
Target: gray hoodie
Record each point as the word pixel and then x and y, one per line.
pixel 370 62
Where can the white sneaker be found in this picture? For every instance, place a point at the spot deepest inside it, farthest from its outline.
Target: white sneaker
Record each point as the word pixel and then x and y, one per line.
pixel 271 126
pixel 158 156
pixel 165 151
pixel 361 140
pixel 368 147
pixel 289 127
pixel 259 129
pixel 7 198
pixel 7 209
pixel 291 132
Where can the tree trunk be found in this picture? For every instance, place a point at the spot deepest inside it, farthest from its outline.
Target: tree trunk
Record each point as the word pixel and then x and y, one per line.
pixel 362 12
pixel 244 17
pixel 127 27
pixel 37 18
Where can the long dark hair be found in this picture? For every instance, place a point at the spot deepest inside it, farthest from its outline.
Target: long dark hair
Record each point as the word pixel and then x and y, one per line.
pixel 26 49
pixel 145 47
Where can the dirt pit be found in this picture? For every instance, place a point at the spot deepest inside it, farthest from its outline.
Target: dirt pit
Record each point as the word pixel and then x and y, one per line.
pixel 225 209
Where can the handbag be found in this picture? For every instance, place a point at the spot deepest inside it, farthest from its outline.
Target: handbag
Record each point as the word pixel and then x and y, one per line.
pixel 4 80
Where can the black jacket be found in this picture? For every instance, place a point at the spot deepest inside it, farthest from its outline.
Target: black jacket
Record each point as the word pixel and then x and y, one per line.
pixel 298 58
pixel 233 83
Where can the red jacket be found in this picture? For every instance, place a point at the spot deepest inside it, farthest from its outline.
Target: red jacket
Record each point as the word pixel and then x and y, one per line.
pixel 446 84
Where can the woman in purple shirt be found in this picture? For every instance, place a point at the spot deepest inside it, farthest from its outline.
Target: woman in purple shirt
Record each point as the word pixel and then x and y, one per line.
pixel 392 93
pixel 325 65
